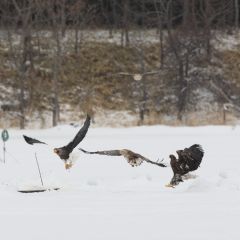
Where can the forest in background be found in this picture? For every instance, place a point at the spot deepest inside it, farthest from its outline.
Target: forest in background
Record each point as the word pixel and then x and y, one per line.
pixel 163 61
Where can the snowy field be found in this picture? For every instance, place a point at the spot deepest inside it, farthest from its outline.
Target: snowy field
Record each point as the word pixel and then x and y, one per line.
pixel 104 198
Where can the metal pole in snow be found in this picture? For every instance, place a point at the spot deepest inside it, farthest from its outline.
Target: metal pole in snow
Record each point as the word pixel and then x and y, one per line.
pixel 4 152
pixel 38 169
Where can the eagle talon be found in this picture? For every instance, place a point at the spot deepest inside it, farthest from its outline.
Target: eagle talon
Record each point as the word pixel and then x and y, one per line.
pixel 169 185
pixel 68 165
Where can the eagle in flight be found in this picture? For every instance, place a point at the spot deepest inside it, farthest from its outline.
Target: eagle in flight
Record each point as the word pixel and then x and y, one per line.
pixel 64 152
pixel 138 76
pixel 134 159
pixel 188 160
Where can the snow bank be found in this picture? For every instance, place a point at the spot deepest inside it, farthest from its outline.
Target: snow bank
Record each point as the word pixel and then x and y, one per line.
pixel 105 198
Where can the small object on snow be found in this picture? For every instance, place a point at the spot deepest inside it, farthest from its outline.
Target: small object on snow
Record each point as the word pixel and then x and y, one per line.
pixel 188 160
pixel 64 152
pixel 134 159
pixel 37 190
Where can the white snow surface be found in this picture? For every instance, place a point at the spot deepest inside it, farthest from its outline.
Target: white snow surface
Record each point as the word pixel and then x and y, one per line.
pixel 104 198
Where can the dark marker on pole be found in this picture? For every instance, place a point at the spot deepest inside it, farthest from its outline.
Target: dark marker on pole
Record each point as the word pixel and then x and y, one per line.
pixel 38 169
pixel 5 137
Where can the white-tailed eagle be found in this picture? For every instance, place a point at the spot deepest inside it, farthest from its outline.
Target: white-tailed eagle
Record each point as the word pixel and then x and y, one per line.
pixel 134 159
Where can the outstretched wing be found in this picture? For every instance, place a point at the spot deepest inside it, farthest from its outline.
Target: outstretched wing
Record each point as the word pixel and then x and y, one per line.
pixel 32 141
pixel 125 74
pixel 193 155
pixel 158 163
pixel 80 135
pixel 155 163
pixel 135 159
pixel 109 153
pixel 196 151
pixel 151 73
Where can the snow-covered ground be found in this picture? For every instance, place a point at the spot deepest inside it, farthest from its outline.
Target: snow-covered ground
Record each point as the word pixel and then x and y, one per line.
pixel 104 198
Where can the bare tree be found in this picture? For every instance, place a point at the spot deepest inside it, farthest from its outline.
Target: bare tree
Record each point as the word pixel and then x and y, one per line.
pixel 236 8
pixel 55 13
pixel 23 58
pixel 125 24
pixel 159 6
pixel 184 45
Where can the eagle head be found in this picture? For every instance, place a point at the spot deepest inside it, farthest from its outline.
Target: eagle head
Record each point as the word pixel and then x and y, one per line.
pixel 62 153
pixel 56 150
pixel 172 157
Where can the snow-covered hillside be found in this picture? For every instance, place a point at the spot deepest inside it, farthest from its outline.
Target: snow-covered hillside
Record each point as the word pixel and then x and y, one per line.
pixel 104 198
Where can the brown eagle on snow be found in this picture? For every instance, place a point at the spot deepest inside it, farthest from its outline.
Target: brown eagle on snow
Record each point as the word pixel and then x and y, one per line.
pixel 134 159
pixel 64 152
pixel 188 160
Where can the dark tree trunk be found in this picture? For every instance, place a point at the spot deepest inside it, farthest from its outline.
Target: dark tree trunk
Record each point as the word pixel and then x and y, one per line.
pixel 236 7
pixel 126 22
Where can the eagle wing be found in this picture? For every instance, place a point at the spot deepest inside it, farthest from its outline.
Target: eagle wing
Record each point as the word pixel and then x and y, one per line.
pixel 193 156
pixel 80 135
pixel 150 161
pixel 151 73
pixel 109 153
pixel 196 151
pixel 155 163
pixel 32 141
pixel 125 74
pixel 134 159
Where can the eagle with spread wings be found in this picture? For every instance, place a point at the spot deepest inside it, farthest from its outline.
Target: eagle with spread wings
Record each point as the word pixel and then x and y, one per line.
pixel 65 151
pixel 134 159
pixel 188 160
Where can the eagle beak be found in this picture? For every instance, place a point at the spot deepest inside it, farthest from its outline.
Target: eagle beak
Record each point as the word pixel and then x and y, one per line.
pixel 55 150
